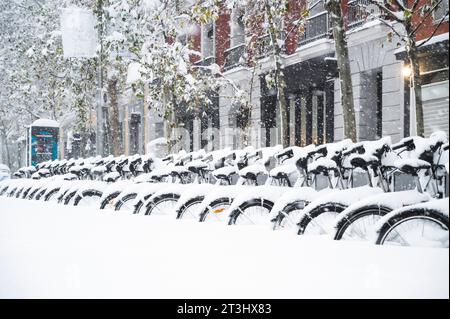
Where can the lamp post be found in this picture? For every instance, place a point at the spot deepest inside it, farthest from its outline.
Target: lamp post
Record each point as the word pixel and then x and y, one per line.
pixel 408 73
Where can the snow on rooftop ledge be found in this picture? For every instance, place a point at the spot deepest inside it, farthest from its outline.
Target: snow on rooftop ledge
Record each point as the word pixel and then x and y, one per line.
pixel 45 122
pixel 435 39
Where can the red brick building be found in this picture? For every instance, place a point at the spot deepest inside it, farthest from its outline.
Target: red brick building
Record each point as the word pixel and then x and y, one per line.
pixel 381 93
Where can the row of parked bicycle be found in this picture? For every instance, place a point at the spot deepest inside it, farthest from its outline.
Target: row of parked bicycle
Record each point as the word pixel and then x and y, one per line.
pixel 373 190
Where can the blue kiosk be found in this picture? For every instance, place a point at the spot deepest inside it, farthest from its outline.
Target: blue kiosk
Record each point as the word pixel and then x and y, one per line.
pixel 42 141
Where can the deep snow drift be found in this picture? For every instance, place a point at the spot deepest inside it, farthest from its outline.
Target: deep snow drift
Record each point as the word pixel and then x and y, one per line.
pixel 53 251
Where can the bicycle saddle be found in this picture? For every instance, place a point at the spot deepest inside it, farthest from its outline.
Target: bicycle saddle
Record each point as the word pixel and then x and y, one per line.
pixel 411 166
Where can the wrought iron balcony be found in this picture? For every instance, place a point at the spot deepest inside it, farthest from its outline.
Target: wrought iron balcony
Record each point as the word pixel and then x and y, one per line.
pixel 360 11
pixel 206 61
pixel 264 45
pixel 235 57
pixel 316 27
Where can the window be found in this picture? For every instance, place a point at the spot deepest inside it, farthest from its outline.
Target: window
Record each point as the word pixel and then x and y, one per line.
pixel 441 11
pixel 237 28
pixel 208 40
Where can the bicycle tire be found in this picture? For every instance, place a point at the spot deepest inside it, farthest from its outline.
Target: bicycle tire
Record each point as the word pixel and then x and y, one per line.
pixel 289 208
pixel 87 193
pixel 421 213
pixel 223 201
pixel 255 202
pixel 126 198
pixel 344 224
pixel 317 211
pixel 151 205
pixel 191 202
pixel 108 199
pixel 51 193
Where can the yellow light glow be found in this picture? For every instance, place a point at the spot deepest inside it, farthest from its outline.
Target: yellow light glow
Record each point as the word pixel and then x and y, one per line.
pixel 407 71
pixel 218 211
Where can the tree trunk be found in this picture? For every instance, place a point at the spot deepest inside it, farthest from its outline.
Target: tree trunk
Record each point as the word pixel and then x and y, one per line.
pixel 411 51
pixel 114 117
pixel 417 84
pixel 7 152
pixel 280 79
pixel 345 75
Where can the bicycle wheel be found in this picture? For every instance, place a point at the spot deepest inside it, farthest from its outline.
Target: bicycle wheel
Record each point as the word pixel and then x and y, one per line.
pixel 162 205
pixel 68 197
pixel 19 192
pixel 33 193
pixel 287 216
pixel 215 212
pixel 141 203
pixel 50 194
pixel 88 198
pixel 12 192
pixel 190 208
pixel 320 220
pixel 25 192
pixel 359 224
pixel 126 203
pixel 252 212
pixel 415 227
pixel 108 201
pixel 40 193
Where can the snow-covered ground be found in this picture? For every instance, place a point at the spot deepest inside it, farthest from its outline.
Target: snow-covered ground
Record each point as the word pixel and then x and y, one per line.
pixel 53 251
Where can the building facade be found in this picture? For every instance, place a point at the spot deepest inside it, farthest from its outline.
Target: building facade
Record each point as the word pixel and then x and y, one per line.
pixel 381 89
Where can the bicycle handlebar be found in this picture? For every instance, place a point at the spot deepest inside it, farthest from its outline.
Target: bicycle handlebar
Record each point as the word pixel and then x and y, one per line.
pixel 408 143
pixel 288 153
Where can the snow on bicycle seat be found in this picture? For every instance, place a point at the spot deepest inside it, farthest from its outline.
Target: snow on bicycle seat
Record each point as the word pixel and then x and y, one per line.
pixel 283 171
pixel 322 165
pixel 99 169
pixel 196 166
pixel 111 177
pixel 225 172
pixel 43 172
pixel 252 171
pixel 180 170
pixel 161 172
pixel 363 160
pixel 411 166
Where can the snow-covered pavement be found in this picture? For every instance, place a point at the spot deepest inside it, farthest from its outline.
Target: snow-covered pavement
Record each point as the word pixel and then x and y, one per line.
pixel 53 251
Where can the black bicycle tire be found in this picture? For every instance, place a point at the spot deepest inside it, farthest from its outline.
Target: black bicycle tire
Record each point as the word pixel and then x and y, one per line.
pixel 218 201
pixel 327 207
pixel 87 193
pixel 121 201
pixel 189 203
pixel 396 220
pixel 159 199
pixel 248 204
pixel 343 224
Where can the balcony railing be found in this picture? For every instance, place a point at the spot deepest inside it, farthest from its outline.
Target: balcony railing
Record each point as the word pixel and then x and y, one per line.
pixel 360 11
pixel 316 27
pixel 264 45
pixel 235 57
pixel 206 61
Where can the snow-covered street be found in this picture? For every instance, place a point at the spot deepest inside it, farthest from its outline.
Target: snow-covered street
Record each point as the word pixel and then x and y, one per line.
pixel 49 250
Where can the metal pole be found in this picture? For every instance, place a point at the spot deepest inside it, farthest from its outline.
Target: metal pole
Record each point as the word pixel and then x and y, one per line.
pixel 412 108
pixel 100 133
